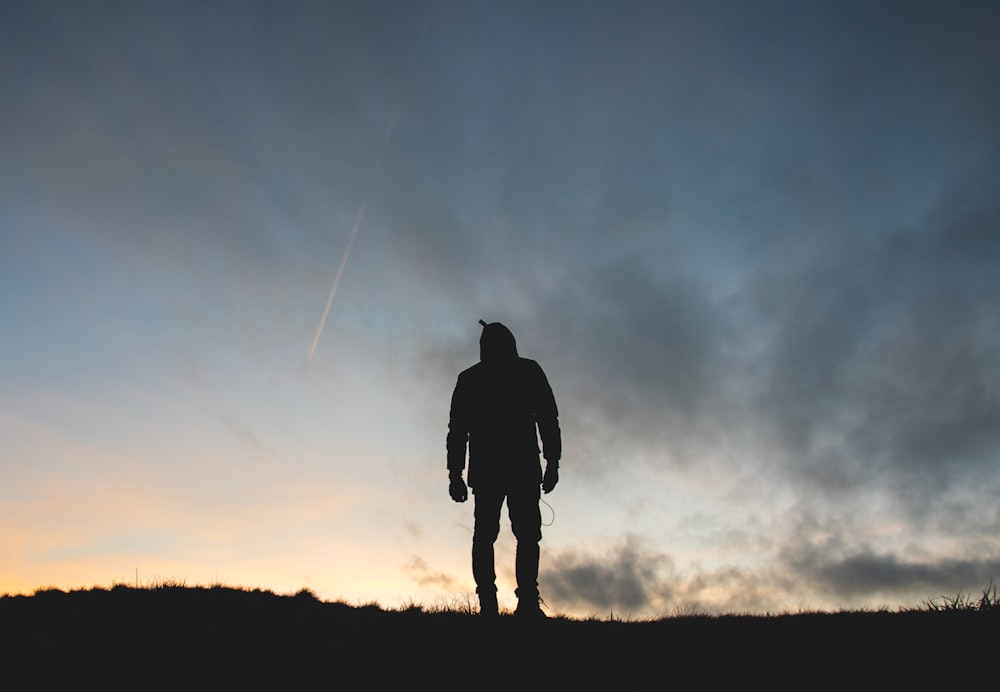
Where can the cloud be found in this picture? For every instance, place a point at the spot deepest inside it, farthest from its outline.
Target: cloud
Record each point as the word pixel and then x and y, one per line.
pixel 865 574
pixel 880 358
pixel 633 578
pixel 627 578
pixel 246 435
pixel 418 570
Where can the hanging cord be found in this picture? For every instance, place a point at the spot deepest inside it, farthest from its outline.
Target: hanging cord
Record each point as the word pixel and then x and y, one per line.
pixel 553 521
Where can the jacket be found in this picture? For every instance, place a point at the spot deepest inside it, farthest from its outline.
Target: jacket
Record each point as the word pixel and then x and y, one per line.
pixel 499 408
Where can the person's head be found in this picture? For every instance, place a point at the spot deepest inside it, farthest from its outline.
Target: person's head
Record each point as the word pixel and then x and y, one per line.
pixel 496 343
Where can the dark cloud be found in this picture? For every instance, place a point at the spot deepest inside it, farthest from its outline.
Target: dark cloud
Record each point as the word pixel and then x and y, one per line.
pixel 881 359
pixel 632 578
pixel 626 579
pixel 867 574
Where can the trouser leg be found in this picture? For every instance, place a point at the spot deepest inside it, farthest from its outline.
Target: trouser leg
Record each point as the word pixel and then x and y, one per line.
pixel 526 523
pixel 484 535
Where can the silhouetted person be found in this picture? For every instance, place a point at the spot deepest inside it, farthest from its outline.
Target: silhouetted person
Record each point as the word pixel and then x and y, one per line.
pixel 500 407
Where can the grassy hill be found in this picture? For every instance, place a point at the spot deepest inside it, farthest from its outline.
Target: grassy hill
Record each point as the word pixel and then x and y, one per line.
pixel 221 638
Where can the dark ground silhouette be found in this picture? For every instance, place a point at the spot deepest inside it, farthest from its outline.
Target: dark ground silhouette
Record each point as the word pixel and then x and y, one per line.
pixel 218 637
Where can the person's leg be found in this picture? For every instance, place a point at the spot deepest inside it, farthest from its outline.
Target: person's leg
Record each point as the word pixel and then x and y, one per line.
pixel 484 535
pixel 526 523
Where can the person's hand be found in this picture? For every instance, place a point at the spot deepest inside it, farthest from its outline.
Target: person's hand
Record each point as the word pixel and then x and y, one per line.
pixel 457 489
pixel 550 478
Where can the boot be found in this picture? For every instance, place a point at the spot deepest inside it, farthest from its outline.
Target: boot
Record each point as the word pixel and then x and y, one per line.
pixel 529 607
pixel 488 604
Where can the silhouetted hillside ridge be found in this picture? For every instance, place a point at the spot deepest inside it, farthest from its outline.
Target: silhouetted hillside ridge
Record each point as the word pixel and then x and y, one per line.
pixel 225 634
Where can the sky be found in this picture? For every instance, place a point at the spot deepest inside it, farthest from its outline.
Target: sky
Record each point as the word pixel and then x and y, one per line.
pixel 753 245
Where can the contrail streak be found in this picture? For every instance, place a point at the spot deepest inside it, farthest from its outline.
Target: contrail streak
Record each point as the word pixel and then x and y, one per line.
pixel 359 217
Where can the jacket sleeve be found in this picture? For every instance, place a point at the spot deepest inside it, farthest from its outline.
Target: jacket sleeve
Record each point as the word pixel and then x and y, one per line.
pixel 547 418
pixel 458 428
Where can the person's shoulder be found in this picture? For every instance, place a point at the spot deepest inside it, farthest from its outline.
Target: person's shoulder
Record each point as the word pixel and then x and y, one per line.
pixel 530 366
pixel 470 371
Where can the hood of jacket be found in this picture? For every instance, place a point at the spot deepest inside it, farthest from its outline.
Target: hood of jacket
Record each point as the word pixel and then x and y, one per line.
pixel 497 344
